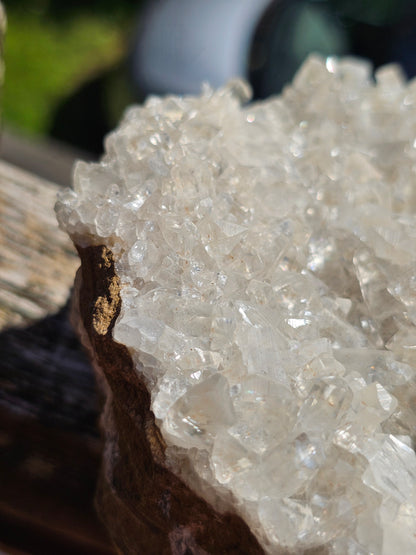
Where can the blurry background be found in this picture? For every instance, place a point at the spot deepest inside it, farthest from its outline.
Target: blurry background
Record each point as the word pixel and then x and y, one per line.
pixel 65 80
pixel 72 67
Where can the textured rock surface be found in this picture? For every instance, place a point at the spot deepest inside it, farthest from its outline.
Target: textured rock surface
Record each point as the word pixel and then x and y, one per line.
pixel 146 508
pixel 265 258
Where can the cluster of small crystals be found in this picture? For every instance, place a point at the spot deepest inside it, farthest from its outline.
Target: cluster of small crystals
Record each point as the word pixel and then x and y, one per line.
pixel 268 258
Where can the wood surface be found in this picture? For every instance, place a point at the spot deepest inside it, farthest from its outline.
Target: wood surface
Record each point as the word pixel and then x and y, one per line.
pixel 37 260
pixel 50 446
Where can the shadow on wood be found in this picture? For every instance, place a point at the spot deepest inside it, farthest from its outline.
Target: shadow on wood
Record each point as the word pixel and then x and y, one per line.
pixel 50 445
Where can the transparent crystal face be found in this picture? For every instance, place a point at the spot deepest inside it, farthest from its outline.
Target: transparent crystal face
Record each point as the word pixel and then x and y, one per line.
pixel 267 254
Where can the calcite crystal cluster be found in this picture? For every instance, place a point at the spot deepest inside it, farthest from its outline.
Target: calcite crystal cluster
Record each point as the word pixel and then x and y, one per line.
pixel 267 260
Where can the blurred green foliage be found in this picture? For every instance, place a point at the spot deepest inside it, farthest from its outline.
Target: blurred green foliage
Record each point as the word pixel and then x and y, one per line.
pixel 52 48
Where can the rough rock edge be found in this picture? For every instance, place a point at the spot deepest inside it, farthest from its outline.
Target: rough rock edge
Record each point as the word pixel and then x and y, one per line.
pixel 146 508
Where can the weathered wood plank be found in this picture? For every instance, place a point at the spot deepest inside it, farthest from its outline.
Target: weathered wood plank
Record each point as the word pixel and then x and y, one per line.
pixel 50 448
pixel 37 260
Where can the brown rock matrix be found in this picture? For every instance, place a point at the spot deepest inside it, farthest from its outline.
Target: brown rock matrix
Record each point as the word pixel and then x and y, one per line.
pixel 146 508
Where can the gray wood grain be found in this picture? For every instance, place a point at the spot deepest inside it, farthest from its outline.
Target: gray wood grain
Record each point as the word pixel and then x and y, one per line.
pixel 50 446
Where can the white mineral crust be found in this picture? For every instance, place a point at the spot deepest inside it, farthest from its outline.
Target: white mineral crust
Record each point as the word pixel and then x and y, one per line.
pixel 267 254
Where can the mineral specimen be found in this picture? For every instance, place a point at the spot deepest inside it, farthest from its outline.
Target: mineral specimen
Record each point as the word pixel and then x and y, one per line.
pixel 267 259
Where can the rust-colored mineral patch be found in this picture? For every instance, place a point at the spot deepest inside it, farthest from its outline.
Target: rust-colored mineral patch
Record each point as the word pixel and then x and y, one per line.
pixel 106 306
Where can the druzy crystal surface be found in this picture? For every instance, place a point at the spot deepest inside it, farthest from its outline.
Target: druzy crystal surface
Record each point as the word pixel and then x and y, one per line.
pixel 267 255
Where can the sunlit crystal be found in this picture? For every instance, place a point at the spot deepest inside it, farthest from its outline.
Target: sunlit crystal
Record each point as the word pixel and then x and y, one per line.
pixel 267 256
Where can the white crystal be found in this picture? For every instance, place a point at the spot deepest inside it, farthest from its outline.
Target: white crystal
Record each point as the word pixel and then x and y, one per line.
pixel 267 255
